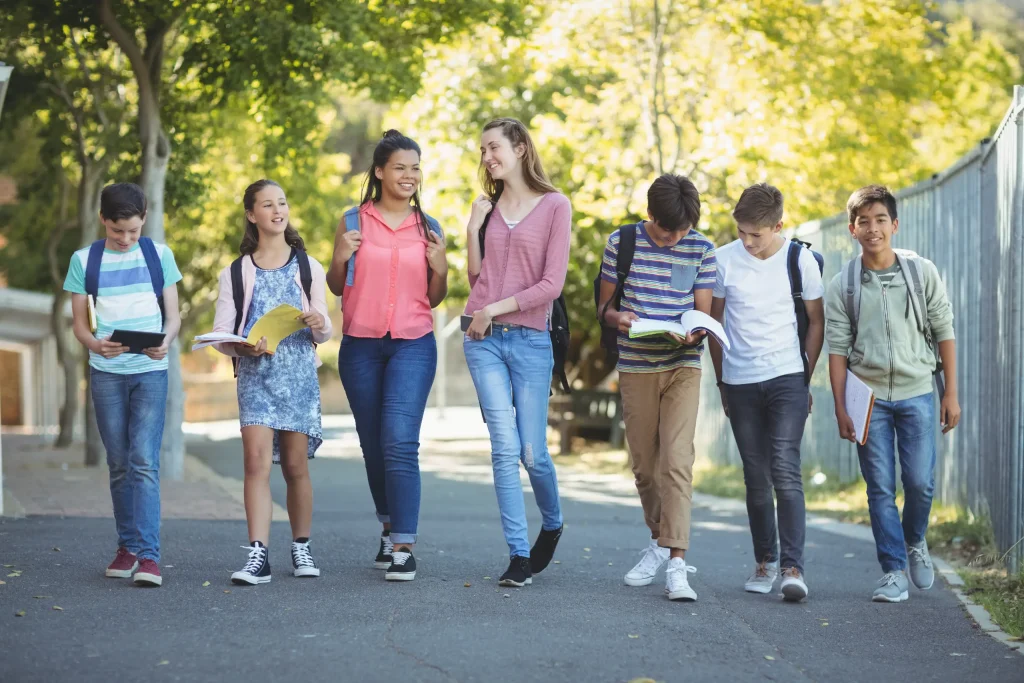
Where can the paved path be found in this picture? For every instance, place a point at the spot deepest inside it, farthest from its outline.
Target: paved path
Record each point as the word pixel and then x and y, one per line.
pixel 578 622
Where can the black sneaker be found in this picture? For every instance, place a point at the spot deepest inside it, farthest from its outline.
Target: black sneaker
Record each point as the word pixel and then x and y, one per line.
pixel 257 569
pixel 403 567
pixel 544 549
pixel 383 559
pixel 518 573
pixel 302 560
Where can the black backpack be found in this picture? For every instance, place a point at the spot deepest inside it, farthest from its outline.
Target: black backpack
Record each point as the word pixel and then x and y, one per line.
pixel 623 262
pixel 560 335
pixel 796 286
pixel 238 288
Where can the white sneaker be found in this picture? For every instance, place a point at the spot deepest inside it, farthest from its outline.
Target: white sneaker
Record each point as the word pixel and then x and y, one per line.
pixel 763 578
pixel 794 589
pixel 676 585
pixel 653 556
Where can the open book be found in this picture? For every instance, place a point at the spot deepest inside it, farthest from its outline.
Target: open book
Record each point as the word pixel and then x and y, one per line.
pixel 275 325
pixel 859 402
pixel 688 322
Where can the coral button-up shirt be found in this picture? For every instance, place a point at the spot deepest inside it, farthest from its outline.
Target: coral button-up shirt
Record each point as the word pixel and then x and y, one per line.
pixel 389 293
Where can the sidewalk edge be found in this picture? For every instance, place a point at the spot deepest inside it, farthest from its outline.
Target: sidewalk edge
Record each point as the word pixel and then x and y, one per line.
pixel 977 613
pixel 197 470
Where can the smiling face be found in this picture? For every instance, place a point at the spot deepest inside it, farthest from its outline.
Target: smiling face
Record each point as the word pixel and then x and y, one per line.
pixel 758 240
pixel 873 227
pixel 269 211
pixel 498 156
pixel 123 234
pixel 400 176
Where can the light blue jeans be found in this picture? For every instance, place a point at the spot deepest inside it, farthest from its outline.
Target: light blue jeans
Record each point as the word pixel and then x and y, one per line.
pixel 130 414
pixel 511 369
pixel 911 425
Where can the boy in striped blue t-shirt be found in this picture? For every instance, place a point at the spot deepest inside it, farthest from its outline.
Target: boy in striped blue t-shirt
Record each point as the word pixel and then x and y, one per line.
pixel 129 390
pixel 673 271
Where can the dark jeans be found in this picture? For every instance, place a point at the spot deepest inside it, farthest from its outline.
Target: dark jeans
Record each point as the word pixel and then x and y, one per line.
pixel 768 422
pixel 387 382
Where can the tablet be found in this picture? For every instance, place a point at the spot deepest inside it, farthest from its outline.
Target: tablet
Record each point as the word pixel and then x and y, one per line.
pixel 136 341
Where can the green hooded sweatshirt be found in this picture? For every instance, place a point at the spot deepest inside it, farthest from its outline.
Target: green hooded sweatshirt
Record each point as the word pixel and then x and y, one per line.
pixel 890 354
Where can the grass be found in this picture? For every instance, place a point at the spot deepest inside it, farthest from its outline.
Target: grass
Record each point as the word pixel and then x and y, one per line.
pixel 964 540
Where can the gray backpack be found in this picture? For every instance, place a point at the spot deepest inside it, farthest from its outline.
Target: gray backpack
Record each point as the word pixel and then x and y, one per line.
pixel 910 265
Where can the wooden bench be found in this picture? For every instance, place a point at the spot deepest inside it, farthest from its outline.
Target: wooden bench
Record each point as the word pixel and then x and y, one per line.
pixel 590 410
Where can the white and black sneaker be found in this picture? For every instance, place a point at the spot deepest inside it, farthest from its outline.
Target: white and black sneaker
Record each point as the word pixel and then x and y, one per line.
pixel 383 559
pixel 302 560
pixel 518 573
pixel 403 567
pixel 256 569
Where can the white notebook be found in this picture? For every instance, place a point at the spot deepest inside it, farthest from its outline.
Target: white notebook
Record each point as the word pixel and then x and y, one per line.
pixel 859 402
pixel 688 322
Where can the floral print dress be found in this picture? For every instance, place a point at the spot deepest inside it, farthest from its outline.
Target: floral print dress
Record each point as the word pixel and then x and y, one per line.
pixel 280 390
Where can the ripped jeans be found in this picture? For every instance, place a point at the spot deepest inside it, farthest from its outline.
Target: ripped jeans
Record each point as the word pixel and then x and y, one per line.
pixel 511 369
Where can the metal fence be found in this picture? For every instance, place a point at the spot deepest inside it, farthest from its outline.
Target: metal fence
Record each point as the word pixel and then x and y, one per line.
pixel 969 220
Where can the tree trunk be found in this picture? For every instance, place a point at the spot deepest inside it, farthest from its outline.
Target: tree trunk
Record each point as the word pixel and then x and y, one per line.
pixel 69 362
pixel 89 186
pixel 94 451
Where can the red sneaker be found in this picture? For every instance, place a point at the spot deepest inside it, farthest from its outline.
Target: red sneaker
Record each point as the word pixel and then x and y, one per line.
pixel 148 574
pixel 123 565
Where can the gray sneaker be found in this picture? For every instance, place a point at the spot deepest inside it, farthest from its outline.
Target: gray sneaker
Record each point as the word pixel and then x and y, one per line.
pixel 763 578
pixel 892 588
pixel 922 575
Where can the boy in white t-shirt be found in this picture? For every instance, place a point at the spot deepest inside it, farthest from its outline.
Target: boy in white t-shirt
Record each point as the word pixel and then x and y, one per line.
pixel 763 381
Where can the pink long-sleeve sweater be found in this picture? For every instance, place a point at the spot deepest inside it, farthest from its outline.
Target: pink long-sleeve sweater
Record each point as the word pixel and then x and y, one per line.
pixel 527 262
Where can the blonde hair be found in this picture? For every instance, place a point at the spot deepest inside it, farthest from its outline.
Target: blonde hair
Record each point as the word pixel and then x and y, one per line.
pixel 533 172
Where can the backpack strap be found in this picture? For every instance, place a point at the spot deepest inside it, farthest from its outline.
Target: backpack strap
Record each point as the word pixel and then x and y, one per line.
pixel 796 288
pixel 353 221
pixel 156 273
pixel 92 267
pixel 910 264
pixel 238 295
pixel 305 274
pixel 851 295
pixel 623 264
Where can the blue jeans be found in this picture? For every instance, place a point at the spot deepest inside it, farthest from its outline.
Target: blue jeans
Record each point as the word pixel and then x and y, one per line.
pixel 511 369
pixel 130 414
pixel 387 382
pixel 911 424
pixel 768 421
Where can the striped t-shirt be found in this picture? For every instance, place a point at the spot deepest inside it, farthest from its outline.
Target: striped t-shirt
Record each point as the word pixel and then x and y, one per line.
pixel 660 286
pixel 124 301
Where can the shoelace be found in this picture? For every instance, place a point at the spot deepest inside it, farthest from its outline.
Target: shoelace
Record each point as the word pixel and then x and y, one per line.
pixel 650 558
pixel 301 556
pixel 687 569
pixel 388 546
pixel 889 579
pixel 400 558
pixel 256 555
pixel 920 554
pixel 791 572
pixel 762 571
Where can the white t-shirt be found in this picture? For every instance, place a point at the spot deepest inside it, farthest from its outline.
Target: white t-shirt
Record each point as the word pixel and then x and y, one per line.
pixel 759 315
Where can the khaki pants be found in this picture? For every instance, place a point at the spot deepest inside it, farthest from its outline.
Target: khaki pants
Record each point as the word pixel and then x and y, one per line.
pixel 660 412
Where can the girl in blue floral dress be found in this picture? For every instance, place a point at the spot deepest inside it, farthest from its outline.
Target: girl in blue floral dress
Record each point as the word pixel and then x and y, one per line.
pixel 278 393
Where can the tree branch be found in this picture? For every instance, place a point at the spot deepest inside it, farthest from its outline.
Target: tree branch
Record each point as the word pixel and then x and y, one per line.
pixel 96 96
pixel 62 92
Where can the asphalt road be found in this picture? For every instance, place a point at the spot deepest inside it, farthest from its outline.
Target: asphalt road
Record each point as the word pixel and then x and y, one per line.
pixel 577 622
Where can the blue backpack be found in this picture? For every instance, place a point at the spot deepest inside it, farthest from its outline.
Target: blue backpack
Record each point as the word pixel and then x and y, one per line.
pixel 352 222
pixel 156 270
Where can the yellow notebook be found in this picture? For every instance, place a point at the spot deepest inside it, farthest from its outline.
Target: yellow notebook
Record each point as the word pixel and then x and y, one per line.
pixel 275 325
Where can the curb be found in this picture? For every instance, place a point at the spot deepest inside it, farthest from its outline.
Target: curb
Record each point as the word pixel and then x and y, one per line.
pixel 196 470
pixel 11 507
pixel 976 612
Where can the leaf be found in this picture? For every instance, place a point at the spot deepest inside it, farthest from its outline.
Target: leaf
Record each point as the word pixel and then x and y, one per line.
pixel 824 623
pixel 848 555
pixel 8 566
pixel 56 549
pixel 634 637
pixel 40 597
pixel 205 584
pixel 486 578
pixel 227 591
pixel 58 608
pixel 957 654
pixel 20 613
pixel 467 584
pixel 586 550
pixel 769 658
pixel 3 583
pixel 163 662
pixel 14 575
pixel 557 561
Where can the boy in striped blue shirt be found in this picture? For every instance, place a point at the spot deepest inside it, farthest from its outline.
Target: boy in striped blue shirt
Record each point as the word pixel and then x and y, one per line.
pixel 672 271
pixel 129 390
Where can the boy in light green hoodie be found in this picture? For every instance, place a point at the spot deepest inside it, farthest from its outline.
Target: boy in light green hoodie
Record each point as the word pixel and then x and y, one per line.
pixel 889 322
